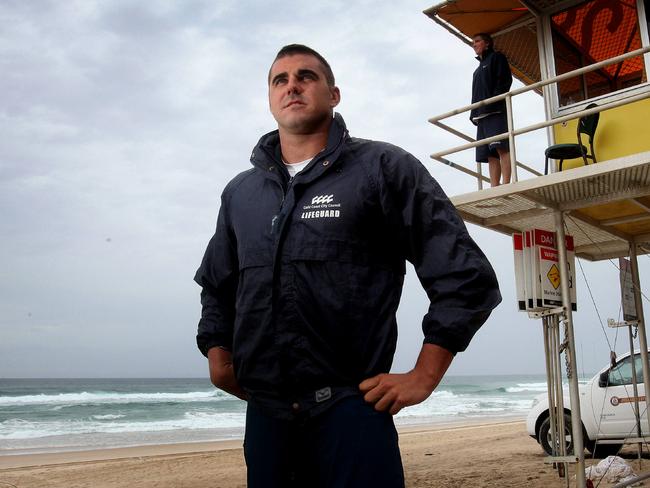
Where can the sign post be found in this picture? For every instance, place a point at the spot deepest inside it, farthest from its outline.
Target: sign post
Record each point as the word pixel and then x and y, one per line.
pixel 544 277
pixel 574 393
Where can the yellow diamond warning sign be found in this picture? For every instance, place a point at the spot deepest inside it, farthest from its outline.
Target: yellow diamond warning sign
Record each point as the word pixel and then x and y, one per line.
pixel 542 270
pixel 553 276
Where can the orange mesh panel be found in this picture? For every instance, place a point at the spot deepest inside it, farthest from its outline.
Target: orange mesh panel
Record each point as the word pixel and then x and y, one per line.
pixel 520 47
pixel 595 31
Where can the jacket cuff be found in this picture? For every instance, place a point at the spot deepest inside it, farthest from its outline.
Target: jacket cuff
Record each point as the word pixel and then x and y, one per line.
pixel 442 342
pixel 204 347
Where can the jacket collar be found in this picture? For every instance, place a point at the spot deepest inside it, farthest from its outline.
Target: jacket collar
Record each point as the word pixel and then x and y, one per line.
pixel 486 53
pixel 267 155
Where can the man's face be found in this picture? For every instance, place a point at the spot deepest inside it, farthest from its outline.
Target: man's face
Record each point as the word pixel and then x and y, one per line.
pixel 300 99
pixel 479 45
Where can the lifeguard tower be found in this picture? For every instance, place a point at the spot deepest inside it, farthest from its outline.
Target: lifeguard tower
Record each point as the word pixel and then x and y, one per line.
pixel 583 58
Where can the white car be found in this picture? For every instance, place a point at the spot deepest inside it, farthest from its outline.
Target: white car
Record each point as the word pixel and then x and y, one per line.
pixel 606 406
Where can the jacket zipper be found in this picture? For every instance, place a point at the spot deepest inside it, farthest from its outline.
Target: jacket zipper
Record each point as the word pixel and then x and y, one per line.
pixel 284 195
pixel 277 233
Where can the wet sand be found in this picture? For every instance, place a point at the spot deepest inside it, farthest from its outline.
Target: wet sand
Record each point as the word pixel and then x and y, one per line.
pixel 488 455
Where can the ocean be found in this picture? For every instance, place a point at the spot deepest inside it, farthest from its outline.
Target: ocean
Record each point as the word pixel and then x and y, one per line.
pixel 54 415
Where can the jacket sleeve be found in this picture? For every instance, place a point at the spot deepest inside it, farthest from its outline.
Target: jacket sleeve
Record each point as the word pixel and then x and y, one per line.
pixel 457 277
pixel 502 74
pixel 218 277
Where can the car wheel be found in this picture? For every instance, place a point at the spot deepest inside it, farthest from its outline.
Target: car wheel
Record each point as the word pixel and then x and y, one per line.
pixel 544 436
pixel 603 450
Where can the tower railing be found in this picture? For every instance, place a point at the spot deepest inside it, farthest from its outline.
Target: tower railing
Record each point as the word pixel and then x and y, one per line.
pixel 512 132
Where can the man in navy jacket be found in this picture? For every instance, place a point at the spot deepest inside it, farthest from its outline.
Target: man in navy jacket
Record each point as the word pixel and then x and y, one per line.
pixel 491 78
pixel 302 280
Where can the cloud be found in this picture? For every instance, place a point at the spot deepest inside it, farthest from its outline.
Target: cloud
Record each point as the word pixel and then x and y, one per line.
pixel 122 122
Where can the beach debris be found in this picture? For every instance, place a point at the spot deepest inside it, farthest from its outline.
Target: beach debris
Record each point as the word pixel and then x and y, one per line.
pixel 613 469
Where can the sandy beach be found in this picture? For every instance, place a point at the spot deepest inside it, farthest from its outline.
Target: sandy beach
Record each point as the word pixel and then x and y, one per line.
pixel 477 455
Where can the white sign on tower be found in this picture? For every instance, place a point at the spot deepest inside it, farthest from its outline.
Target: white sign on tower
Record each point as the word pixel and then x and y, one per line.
pixel 520 278
pixel 537 270
pixel 627 289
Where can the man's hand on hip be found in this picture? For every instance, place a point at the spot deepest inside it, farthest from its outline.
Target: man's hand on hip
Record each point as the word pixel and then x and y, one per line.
pixel 392 392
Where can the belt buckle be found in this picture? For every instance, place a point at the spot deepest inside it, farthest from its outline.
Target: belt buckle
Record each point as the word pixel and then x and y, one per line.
pixel 323 394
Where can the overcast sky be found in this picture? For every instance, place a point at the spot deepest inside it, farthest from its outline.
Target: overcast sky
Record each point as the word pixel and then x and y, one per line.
pixel 121 123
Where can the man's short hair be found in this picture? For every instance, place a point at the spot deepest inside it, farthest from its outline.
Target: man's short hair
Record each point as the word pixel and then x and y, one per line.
pixel 292 49
pixel 485 37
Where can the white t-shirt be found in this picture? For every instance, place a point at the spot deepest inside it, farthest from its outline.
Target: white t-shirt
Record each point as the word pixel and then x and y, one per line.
pixel 296 168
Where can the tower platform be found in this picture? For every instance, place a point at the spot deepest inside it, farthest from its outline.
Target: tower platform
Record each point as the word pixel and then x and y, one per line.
pixel 607 206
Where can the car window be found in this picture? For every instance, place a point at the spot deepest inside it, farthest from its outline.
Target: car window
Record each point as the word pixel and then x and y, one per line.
pixel 621 374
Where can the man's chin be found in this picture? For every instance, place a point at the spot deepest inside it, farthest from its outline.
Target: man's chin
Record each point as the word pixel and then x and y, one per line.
pixel 304 125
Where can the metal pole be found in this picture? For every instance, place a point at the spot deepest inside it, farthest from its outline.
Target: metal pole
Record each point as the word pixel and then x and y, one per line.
pixel 535 86
pixel 511 140
pixel 631 482
pixel 545 75
pixel 540 125
pixel 555 432
pixel 550 378
pixel 637 411
pixel 467 138
pixel 451 164
pixel 559 397
pixel 643 342
pixel 576 418
pixel 479 170
pixel 447 27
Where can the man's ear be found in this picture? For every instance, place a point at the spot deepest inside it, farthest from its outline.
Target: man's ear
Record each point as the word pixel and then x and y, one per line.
pixel 335 96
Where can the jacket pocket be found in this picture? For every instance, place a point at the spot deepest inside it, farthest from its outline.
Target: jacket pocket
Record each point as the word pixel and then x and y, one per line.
pixel 255 282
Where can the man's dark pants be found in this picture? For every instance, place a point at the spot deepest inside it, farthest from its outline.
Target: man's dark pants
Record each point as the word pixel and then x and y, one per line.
pixel 348 445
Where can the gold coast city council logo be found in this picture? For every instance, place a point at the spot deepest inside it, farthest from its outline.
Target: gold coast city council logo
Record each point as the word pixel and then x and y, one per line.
pixel 321 207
